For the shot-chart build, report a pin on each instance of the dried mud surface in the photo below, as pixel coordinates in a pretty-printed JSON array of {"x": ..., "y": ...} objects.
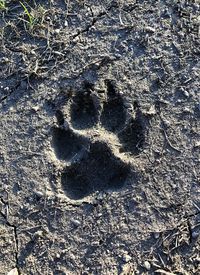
[{"x": 100, "y": 137}]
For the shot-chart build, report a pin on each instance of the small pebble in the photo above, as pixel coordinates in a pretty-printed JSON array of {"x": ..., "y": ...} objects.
[
  {"x": 76, "y": 222},
  {"x": 5, "y": 59},
  {"x": 39, "y": 194},
  {"x": 152, "y": 110},
  {"x": 150, "y": 29},
  {"x": 156, "y": 235},
  {"x": 147, "y": 265},
  {"x": 127, "y": 258},
  {"x": 57, "y": 31},
  {"x": 35, "y": 108},
  {"x": 187, "y": 110},
  {"x": 186, "y": 93},
  {"x": 39, "y": 234},
  {"x": 57, "y": 255},
  {"x": 197, "y": 144}
]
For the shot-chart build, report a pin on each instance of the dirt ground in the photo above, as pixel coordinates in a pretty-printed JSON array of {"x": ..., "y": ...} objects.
[{"x": 100, "y": 137}]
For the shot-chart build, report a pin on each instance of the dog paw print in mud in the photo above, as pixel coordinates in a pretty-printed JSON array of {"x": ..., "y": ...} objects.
[{"x": 97, "y": 139}]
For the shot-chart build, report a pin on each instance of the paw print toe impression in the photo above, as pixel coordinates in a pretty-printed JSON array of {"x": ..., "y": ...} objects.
[
  {"x": 113, "y": 115},
  {"x": 67, "y": 145},
  {"x": 132, "y": 137},
  {"x": 83, "y": 112}
]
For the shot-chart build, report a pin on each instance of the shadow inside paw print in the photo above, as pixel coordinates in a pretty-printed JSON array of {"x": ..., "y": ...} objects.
[
  {"x": 83, "y": 110},
  {"x": 98, "y": 170},
  {"x": 131, "y": 134},
  {"x": 132, "y": 137},
  {"x": 67, "y": 145},
  {"x": 113, "y": 115}
]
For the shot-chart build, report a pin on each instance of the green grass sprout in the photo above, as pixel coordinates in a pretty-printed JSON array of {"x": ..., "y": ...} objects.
[
  {"x": 31, "y": 19},
  {"x": 2, "y": 4}
]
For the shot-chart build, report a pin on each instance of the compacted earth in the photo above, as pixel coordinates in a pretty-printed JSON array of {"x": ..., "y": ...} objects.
[{"x": 100, "y": 137}]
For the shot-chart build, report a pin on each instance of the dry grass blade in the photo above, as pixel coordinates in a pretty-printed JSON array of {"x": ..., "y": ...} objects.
[{"x": 163, "y": 272}]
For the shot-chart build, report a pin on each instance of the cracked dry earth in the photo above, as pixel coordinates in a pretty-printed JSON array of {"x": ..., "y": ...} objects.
[{"x": 99, "y": 140}]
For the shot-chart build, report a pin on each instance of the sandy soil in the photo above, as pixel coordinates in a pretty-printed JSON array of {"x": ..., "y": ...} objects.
[{"x": 99, "y": 137}]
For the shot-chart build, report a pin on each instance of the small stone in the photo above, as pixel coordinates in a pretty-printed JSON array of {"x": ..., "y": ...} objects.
[
  {"x": 151, "y": 111},
  {"x": 186, "y": 94},
  {"x": 66, "y": 24},
  {"x": 39, "y": 234},
  {"x": 150, "y": 29},
  {"x": 156, "y": 235},
  {"x": 75, "y": 222},
  {"x": 187, "y": 110},
  {"x": 5, "y": 59},
  {"x": 39, "y": 194},
  {"x": 57, "y": 31},
  {"x": 127, "y": 258},
  {"x": 147, "y": 265},
  {"x": 35, "y": 108},
  {"x": 166, "y": 122},
  {"x": 197, "y": 144}
]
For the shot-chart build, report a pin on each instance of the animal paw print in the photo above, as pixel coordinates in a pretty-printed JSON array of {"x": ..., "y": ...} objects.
[{"x": 92, "y": 137}]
